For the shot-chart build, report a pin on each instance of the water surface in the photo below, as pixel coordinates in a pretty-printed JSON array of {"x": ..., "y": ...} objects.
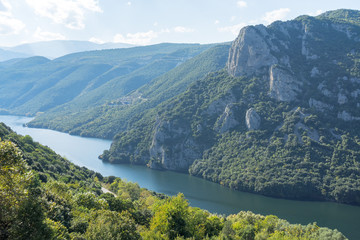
[{"x": 199, "y": 192}]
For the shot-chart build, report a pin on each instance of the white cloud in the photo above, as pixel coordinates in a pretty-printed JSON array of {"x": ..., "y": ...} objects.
[
  {"x": 241, "y": 4},
  {"x": 129, "y": 3},
  {"x": 316, "y": 13},
  {"x": 275, "y": 15},
  {"x": 234, "y": 29},
  {"x": 8, "y": 24},
  {"x": 145, "y": 38},
  {"x": 41, "y": 35},
  {"x": 96, "y": 40},
  {"x": 180, "y": 29},
  {"x": 140, "y": 38},
  {"x": 5, "y": 6},
  {"x": 165, "y": 30},
  {"x": 232, "y": 18},
  {"x": 216, "y": 22},
  {"x": 71, "y": 13}
]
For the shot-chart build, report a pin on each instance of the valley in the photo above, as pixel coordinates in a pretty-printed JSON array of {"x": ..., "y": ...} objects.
[
  {"x": 273, "y": 113},
  {"x": 212, "y": 197},
  {"x": 268, "y": 123}
]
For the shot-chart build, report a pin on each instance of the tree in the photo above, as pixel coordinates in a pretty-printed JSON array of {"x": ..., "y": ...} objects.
[
  {"x": 21, "y": 211},
  {"x": 171, "y": 218},
  {"x": 109, "y": 225}
]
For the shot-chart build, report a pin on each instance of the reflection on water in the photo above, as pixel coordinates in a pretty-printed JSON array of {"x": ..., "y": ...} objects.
[{"x": 201, "y": 193}]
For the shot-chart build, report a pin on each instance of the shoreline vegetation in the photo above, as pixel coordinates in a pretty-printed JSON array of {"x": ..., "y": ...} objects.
[{"x": 45, "y": 196}]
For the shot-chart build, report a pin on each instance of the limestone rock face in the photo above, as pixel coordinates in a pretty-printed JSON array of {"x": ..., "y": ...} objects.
[
  {"x": 227, "y": 120},
  {"x": 305, "y": 50},
  {"x": 217, "y": 106},
  {"x": 283, "y": 85},
  {"x": 172, "y": 148},
  {"x": 250, "y": 52},
  {"x": 252, "y": 119}
]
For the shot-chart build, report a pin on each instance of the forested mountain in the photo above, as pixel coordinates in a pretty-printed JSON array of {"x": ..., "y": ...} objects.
[
  {"x": 44, "y": 196},
  {"x": 82, "y": 117},
  {"x": 34, "y": 85},
  {"x": 58, "y": 48},
  {"x": 275, "y": 113},
  {"x": 282, "y": 119}
]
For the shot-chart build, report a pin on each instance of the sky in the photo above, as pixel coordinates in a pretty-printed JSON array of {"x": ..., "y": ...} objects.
[{"x": 145, "y": 22}]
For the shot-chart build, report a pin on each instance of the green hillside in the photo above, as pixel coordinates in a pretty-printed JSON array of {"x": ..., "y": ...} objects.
[
  {"x": 342, "y": 15},
  {"x": 83, "y": 117},
  {"x": 282, "y": 120},
  {"x": 44, "y": 196},
  {"x": 35, "y": 85}
]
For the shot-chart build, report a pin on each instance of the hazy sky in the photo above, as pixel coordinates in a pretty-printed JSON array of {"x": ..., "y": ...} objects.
[{"x": 146, "y": 22}]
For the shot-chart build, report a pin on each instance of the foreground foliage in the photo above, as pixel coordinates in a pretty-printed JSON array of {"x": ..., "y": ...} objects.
[{"x": 43, "y": 196}]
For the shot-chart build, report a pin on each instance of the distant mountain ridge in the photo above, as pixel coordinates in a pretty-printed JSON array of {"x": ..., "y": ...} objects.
[
  {"x": 57, "y": 48},
  {"x": 105, "y": 120},
  {"x": 7, "y": 55},
  {"x": 34, "y": 85}
]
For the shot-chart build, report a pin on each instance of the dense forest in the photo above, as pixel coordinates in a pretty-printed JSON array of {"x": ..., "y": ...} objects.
[
  {"x": 276, "y": 113},
  {"x": 281, "y": 122},
  {"x": 112, "y": 116},
  {"x": 44, "y": 196}
]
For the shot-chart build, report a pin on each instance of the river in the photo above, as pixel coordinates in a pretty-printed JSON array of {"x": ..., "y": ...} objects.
[{"x": 199, "y": 192}]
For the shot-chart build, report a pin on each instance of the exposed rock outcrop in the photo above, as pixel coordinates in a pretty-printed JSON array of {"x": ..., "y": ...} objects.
[
  {"x": 305, "y": 50},
  {"x": 250, "y": 53},
  {"x": 172, "y": 147},
  {"x": 217, "y": 106},
  {"x": 227, "y": 120},
  {"x": 252, "y": 119},
  {"x": 283, "y": 84}
]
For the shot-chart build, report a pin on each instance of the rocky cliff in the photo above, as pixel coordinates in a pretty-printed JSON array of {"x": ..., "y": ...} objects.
[
  {"x": 295, "y": 55},
  {"x": 282, "y": 119},
  {"x": 172, "y": 147}
]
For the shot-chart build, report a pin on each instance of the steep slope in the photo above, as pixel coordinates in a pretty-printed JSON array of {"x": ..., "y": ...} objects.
[
  {"x": 108, "y": 119},
  {"x": 35, "y": 85},
  {"x": 282, "y": 120},
  {"x": 56, "y": 199}
]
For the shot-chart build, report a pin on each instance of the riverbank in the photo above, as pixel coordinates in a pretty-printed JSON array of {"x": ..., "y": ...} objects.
[{"x": 201, "y": 193}]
